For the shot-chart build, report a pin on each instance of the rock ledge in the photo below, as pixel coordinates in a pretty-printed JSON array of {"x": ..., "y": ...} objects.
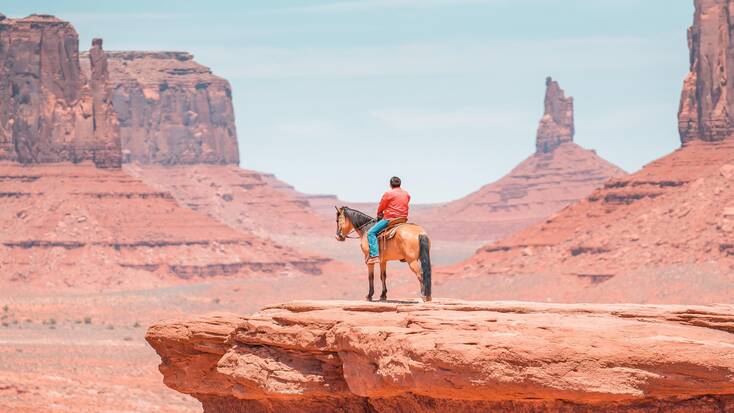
[{"x": 453, "y": 356}]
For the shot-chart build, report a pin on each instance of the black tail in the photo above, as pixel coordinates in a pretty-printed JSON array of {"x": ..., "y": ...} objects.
[{"x": 425, "y": 256}]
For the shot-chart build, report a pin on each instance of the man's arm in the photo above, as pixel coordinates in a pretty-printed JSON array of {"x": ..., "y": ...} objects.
[{"x": 383, "y": 204}]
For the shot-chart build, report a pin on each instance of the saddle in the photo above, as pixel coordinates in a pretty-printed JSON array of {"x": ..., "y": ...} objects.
[
  {"x": 392, "y": 228},
  {"x": 384, "y": 236}
]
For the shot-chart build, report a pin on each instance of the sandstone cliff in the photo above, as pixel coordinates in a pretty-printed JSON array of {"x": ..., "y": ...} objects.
[
  {"x": 49, "y": 110},
  {"x": 560, "y": 172},
  {"x": 171, "y": 109},
  {"x": 706, "y": 102},
  {"x": 453, "y": 356}
]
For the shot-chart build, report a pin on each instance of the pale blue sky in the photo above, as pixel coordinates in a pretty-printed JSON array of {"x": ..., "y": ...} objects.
[{"x": 337, "y": 96}]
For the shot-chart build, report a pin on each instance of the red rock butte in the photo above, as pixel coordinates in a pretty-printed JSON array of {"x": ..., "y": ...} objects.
[
  {"x": 178, "y": 134},
  {"x": 559, "y": 173},
  {"x": 665, "y": 233},
  {"x": 172, "y": 110},
  {"x": 49, "y": 110},
  {"x": 453, "y": 356}
]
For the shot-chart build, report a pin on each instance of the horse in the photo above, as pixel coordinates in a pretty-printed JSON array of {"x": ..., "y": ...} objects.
[{"x": 410, "y": 244}]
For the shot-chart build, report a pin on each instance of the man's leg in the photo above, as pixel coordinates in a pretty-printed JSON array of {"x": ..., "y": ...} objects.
[{"x": 372, "y": 236}]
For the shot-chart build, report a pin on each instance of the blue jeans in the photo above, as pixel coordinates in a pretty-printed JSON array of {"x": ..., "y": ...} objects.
[{"x": 372, "y": 236}]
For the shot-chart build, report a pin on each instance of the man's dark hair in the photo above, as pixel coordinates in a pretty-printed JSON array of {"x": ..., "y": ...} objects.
[{"x": 395, "y": 182}]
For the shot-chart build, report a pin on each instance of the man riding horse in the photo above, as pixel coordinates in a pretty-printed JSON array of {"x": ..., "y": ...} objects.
[
  {"x": 404, "y": 242},
  {"x": 393, "y": 207}
]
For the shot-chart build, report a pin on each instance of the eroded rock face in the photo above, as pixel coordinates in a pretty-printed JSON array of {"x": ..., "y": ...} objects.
[
  {"x": 50, "y": 111},
  {"x": 453, "y": 356},
  {"x": 706, "y": 103},
  {"x": 556, "y": 126},
  {"x": 171, "y": 109}
]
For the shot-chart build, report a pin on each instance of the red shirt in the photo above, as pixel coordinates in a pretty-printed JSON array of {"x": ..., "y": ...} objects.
[{"x": 394, "y": 204}]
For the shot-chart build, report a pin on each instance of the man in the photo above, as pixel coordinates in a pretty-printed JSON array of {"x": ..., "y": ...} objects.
[{"x": 393, "y": 205}]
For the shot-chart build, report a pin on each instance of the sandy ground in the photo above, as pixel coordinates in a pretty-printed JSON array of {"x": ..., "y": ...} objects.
[{"x": 87, "y": 353}]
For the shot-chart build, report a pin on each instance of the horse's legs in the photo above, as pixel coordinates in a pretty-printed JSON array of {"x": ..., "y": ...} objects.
[
  {"x": 415, "y": 266},
  {"x": 383, "y": 278},
  {"x": 371, "y": 271}
]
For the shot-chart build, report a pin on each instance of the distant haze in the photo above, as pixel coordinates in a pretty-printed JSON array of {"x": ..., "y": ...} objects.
[{"x": 336, "y": 97}]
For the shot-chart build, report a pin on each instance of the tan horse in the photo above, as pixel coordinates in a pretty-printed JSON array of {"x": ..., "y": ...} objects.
[{"x": 410, "y": 244}]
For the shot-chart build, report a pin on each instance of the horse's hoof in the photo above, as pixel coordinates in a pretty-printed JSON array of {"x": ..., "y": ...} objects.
[
  {"x": 383, "y": 298},
  {"x": 427, "y": 299},
  {"x": 369, "y": 298}
]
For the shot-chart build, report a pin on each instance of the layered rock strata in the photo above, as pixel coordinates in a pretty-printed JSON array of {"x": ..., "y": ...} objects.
[
  {"x": 171, "y": 109},
  {"x": 676, "y": 211},
  {"x": 79, "y": 227},
  {"x": 240, "y": 198},
  {"x": 559, "y": 173},
  {"x": 453, "y": 356},
  {"x": 49, "y": 110}
]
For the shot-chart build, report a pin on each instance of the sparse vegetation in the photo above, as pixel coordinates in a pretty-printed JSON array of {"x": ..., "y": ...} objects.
[
  {"x": 6, "y": 308},
  {"x": 110, "y": 327},
  {"x": 136, "y": 325},
  {"x": 216, "y": 300},
  {"x": 128, "y": 339},
  {"x": 50, "y": 322},
  {"x": 87, "y": 320}
]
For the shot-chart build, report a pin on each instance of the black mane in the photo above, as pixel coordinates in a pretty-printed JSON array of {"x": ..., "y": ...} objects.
[{"x": 360, "y": 220}]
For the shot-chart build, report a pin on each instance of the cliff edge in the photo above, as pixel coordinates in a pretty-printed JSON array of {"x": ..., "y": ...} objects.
[{"x": 455, "y": 356}]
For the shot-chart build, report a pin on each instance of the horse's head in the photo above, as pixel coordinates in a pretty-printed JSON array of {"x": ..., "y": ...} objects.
[{"x": 343, "y": 225}]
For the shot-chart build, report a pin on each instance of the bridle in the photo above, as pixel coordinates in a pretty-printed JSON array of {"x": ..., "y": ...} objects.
[{"x": 349, "y": 234}]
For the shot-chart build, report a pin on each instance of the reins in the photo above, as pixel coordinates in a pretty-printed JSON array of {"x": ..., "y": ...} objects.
[{"x": 358, "y": 230}]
